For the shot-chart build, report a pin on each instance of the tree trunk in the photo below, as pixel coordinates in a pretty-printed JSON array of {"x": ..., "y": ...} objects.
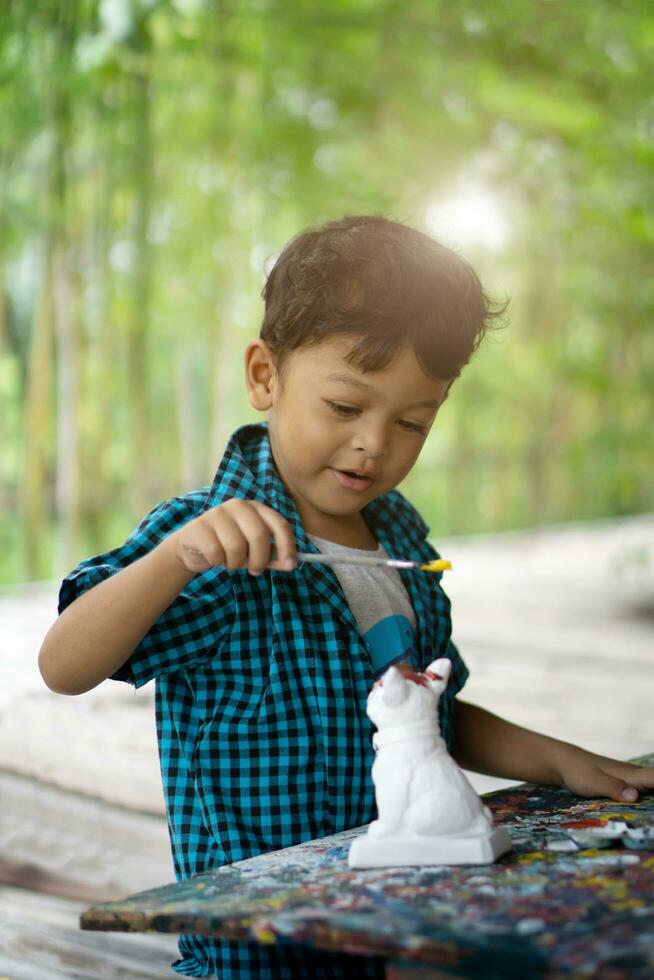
[
  {"x": 224, "y": 147},
  {"x": 4, "y": 312},
  {"x": 38, "y": 427},
  {"x": 67, "y": 493},
  {"x": 64, "y": 29},
  {"x": 185, "y": 413},
  {"x": 137, "y": 343},
  {"x": 105, "y": 360}
]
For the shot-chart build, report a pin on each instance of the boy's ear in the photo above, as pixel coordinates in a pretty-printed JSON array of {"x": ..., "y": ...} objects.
[{"x": 260, "y": 374}]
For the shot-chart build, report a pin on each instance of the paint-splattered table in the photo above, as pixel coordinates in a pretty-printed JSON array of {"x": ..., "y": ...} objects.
[{"x": 542, "y": 910}]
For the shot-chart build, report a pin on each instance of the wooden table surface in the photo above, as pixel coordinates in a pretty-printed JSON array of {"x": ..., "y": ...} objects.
[{"x": 538, "y": 911}]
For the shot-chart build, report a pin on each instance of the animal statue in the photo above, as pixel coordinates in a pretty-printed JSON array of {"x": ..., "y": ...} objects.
[
  {"x": 420, "y": 789},
  {"x": 428, "y": 811}
]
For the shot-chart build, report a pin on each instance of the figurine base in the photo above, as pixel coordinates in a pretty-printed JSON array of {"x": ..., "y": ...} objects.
[{"x": 395, "y": 852}]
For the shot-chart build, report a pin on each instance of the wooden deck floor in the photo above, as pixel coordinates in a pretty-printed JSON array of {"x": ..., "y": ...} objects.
[
  {"x": 40, "y": 939},
  {"x": 557, "y": 627}
]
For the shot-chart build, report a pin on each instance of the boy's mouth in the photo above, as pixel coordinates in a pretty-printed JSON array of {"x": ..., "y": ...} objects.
[{"x": 352, "y": 479}]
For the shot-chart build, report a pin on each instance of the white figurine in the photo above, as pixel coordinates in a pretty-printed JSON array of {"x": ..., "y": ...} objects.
[{"x": 428, "y": 811}]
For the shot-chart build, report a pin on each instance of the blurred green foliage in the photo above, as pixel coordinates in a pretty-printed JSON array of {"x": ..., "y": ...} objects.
[{"x": 156, "y": 154}]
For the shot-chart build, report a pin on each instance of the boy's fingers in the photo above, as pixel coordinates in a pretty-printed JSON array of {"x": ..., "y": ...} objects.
[
  {"x": 231, "y": 538},
  {"x": 258, "y": 538},
  {"x": 635, "y": 775},
  {"x": 205, "y": 547},
  {"x": 625, "y": 776},
  {"x": 240, "y": 533},
  {"x": 617, "y": 789},
  {"x": 286, "y": 558}
]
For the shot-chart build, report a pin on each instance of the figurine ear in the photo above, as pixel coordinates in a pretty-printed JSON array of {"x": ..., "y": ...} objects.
[
  {"x": 442, "y": 668},
  {"x": 394, "y": 687}
]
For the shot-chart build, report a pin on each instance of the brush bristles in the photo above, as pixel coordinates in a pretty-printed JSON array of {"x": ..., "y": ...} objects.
[{"x": 438, "y": 565}]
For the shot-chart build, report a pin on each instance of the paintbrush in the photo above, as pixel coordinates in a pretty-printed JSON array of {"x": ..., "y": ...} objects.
[{"x": 438, "y": 565}]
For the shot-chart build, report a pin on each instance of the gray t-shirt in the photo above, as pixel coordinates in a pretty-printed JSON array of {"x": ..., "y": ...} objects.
[{"x": 379, "y": 603}]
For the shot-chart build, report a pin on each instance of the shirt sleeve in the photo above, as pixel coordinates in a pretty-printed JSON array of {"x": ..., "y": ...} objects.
[{"x": 191, "y": 629}]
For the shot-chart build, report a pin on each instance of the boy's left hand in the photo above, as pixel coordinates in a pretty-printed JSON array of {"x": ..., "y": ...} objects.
[{"x": 588, "y": 774}]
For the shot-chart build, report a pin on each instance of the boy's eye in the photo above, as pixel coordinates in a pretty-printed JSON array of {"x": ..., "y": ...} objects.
[
  {"x": 345, "y": 411},
  {"x": 351, "y": 411},
  {"x": 413, "y": 426}
]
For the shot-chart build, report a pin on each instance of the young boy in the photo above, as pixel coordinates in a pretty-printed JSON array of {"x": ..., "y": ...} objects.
[{"x": 263, "y": 665}]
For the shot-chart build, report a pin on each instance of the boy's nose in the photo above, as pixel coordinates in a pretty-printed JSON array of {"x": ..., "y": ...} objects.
[{"x": 372, "y": 441}]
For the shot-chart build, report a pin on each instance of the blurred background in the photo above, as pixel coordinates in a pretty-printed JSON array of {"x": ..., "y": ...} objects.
[{"x": 155, "y": 156}]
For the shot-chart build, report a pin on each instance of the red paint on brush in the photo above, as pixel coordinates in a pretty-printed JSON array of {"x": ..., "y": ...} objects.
[{"x": 580, "y": 824}]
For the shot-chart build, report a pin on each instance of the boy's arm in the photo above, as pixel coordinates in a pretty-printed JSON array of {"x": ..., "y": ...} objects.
[
  {"x": 96, "y": 634},
  {"x": 484, "y": 742}
]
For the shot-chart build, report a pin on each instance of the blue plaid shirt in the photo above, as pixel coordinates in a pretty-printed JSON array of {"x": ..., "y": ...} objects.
[{"x": 261, "y": 688}]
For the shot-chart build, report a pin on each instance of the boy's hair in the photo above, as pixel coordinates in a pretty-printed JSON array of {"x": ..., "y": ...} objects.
[{"x": 388, "y": 283}]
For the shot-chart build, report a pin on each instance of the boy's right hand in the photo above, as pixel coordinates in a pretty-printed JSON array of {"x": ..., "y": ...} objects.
[{"x": 236, "y": 534}]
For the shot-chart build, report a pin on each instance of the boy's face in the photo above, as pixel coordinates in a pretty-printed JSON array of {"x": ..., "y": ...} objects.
[{"x": 341, "y": 437}]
